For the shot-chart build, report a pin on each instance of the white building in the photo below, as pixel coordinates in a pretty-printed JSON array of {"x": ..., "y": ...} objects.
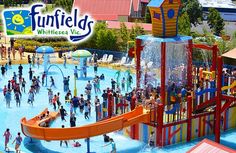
[{"x": 226, "y": 8}]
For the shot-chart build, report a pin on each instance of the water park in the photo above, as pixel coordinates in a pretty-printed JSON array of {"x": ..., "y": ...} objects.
[{"x": 152, "y": 100}]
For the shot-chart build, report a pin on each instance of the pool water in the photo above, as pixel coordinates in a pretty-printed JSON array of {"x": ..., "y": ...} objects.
[{"x": 10, "y": 118}]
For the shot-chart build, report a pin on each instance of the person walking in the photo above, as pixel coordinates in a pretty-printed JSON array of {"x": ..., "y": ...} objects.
[
  {"x": 63, "y": 126},
  {"x": 63, "y": 113},
  {"x": 86, "y": 111},
  {"x": 18, "y": 141},
  {"x": 72, "y": 120},
  {"x": 8, "y": 98},
  {"x": 7, "y": 136},
  {"x": 65, "y": 59}
]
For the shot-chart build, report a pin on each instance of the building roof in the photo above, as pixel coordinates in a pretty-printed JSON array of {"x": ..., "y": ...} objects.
[
  {"x": 107, "y": 9},
  {"x": 155, "y": 3},
  {"x": 136, "y": 4},
  {"x": 158, "y": 3},
  {"x": 217, "y": 3},
  {"x": 210, "y": 146},
  {"x": 230, "y": 54},
  {"x": 129, "y": 25},
  {"x": 144, "y": 1}
]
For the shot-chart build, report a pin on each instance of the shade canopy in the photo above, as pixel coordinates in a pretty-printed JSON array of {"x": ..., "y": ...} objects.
[
  {"x": 45, "y": 50},
  {"x": 230, "y": 54},
  {"x": 81, "y": 54}
]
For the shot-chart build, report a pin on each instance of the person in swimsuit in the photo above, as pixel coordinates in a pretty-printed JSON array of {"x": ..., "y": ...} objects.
[
  {"x": 113, "y": 145},
  {"x": 7, "y": 136},
  {"x": 18, "y": 141}
]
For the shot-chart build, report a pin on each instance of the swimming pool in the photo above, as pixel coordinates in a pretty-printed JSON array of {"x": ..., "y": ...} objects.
[{"x": 10, "y": 118}]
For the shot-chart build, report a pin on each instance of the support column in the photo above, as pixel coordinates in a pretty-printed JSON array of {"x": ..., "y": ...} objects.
[
  {"x": 110, "y": 105},
  {"x": 189, "y": 115},
  {"x": 138, "y": 59},
  {"x": 218, "y": 101},
  {"x": 190, "y": 64},
  {"x": 159, "y": 134},
  {"x": 163, "y": 72},
  {"x": 214, "y": 57}
]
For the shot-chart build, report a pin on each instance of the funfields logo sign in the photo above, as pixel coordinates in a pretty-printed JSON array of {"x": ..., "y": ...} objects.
[{"x": 32, "y": 22}]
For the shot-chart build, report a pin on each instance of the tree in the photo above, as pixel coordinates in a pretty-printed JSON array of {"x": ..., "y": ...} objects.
[
  {"x": 124, "y": 35},
  {"x": 194, "y": 11},
  {"x": 136, "y": 30},
  {"x": 66, "y": 4},
  {"x": 215, "y": 22},
  {"x": 184, "y": 25},
  {"x": 148, "y": 16},
  {"x": 106, "y": 40}
]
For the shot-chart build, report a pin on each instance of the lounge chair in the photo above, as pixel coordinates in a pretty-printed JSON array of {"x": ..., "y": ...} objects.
[
  {"x": 121, "y": 62},
  {"x": 103, "y": 59},
  {"x": 109, "y": 59},
  {"x": 131, "y": 64}
]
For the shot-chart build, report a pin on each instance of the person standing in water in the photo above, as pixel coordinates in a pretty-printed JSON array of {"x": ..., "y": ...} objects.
[
  {"x": 18, "y": 141},
  {"x": 76, "y": 72},
  {"x": 63, "y": 126},
  {"x": 151, "y": 139},
  {"x": 8, "y": 98},
  {"x": 113, "y": 146},
  {"x": 7, "y": 136},
  {"x": 65, "y": 59},
  {"x": 63, "y": 113}
]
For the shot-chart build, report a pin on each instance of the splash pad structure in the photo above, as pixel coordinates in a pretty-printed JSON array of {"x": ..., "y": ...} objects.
[{"x": 179, "y": 118}]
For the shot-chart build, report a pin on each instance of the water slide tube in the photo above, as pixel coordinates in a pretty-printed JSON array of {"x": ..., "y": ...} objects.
[{"x": 32, "y": 129}]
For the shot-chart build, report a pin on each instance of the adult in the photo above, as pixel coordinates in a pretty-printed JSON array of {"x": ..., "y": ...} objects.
[
  {"x": 3, "y": 70},
  {"x": 76, "y": 72},
  {"x": 30, "y": 74},
  {"x": 113, "y": 84},
  {"x": 20, "y": 69},
  {"x": 72, "y": 120},
  {"x": 63, "y": 126},
  {"x": 75, "y": 102},
  {"x": 63, "y": 113},
  {"x": 8, "y": 98},
  {"x": 29, "y": 60}
]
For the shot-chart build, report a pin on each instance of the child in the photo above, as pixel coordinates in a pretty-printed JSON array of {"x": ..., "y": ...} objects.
[
  {"x": 123, "y": 84},
  {"x": 86, "y": 111},
  {"x": 54, "y": 102},
  {"x": 18, "y": 141},
  {"x": 50, "y": 96},
  {"x": 52, "y": 82},
  {"x": 151, "y": 139},
  {"x": 7, "y": 136},
  {"x": 43, "y": 77},
  {"x": 76, "y": 144},
  {"x": 113, "y": 145}
]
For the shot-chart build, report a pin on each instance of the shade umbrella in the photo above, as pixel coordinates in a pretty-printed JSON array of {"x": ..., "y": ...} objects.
[
  {"x": 81, "y": 54},
  {"x": 45, "y": 50}
]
